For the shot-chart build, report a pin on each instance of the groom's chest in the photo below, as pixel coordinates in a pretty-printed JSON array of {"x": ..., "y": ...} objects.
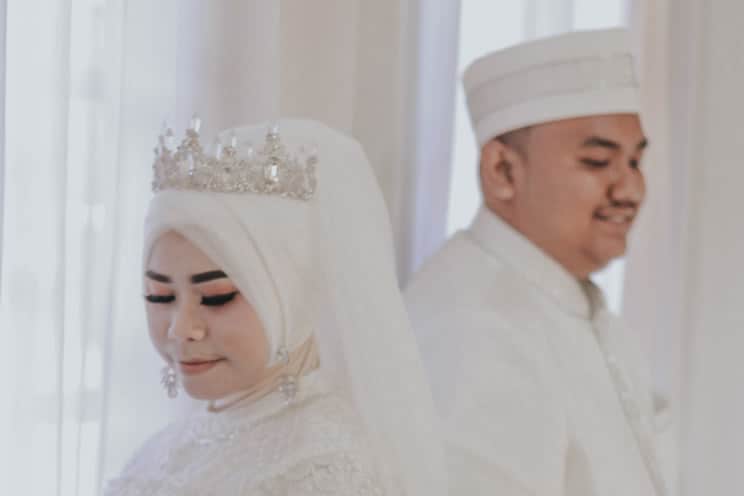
[{"x": 602, "y": 444}]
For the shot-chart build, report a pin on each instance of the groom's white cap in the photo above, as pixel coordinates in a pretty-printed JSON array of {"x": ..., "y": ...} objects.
[{"x": 571, "y": 75}]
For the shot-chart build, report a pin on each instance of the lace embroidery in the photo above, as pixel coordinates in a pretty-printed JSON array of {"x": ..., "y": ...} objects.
[
  {"x": 221, "y": 454},
  {"x": 332, "y": 475}
]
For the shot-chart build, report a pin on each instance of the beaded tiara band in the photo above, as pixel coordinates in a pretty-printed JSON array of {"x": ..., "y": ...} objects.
[{"x": 270, "y": 170}]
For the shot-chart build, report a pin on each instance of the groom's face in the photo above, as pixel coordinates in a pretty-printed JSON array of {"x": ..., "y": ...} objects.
[{"x": 578, "y": 187}]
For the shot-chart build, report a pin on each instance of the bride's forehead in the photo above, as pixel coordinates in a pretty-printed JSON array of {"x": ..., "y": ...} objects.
[
  {"x": 174, "y": 241},
  {"x": 173, "y": 251}
]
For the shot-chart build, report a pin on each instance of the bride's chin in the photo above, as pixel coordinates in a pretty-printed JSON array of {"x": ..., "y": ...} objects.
[{"x": 202, "y": 391}]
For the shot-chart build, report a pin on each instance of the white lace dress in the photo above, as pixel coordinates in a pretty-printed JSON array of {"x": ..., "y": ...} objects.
[{"x": 316, "y": 446}]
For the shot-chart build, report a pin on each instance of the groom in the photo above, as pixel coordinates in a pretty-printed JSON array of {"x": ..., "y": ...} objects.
[{"x": 540, "y": 390}]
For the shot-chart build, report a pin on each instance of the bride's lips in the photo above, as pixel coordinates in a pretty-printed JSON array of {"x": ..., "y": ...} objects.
[{"x": 193, "y": 367}]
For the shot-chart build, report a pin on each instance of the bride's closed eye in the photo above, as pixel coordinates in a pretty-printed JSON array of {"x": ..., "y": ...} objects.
[
  {"x": 208, "y": 301},
  {"x": 218, "y": 300},
  {"x": 155, "y": 298}
]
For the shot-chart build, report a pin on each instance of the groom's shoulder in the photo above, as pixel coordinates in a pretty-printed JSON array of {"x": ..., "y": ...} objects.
[
  {"x": 459, "y": 264},
  {"x": 462, "y": 275},
  {"x": 465, "y": 286}
]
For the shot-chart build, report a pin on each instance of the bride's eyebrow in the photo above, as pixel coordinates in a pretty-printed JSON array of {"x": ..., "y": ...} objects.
[
  {"x": 151, "y": 274},
  {"x": 208, "y": 276}
]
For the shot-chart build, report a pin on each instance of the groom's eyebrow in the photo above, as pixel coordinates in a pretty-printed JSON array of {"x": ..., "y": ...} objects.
[{"x": 208, "y": 276}]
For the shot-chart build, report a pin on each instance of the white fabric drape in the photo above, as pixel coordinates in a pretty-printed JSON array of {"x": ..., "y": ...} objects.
[
  {"x": 684, "y": 289},
  {"x": 347, "y": 63},
  {"x": 653, "y": 279},
  {"x": 3, "y": 12},
  {"x": 88, "y": 86}
]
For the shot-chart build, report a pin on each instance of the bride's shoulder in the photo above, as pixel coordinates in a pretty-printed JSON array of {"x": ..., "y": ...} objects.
[
  {"x": 149, "y": 455},
  {"x": 319, "y": 425},
  {"x": 328, "y": 449}
]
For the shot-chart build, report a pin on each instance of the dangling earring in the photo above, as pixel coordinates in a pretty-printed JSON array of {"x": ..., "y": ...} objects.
[
  {"x": 288, "y": 385},
  {"x": 169, "y": 381}
]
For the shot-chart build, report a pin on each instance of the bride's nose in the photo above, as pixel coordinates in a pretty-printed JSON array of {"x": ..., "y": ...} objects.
[{"x": 185, "y": 323}]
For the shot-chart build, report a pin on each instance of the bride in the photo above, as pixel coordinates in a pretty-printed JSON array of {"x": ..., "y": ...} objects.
[{"x": 271, "y": 294}]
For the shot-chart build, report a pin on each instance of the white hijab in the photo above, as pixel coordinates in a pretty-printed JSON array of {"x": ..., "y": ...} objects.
[{"x": 325, "y": 268}]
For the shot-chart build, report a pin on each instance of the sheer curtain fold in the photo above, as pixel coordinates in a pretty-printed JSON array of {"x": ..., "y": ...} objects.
[
  {"x": 654, "y": 275},
  {"x": 433, "y": 79},
  {"x": 348, "y": 63},
  {"x": 3, "y": 30},
  {"x": 683, "y": 285},
  {"x": 35, "y": 244}
]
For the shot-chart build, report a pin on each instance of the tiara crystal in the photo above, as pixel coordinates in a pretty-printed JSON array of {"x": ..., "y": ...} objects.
[{"x": 272, "y": 170}]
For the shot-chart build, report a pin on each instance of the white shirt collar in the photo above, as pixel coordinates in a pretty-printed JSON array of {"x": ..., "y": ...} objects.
[{"x": 503, "y": 241}]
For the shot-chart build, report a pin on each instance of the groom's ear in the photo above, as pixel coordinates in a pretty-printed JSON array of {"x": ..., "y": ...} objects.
[{"x": 497, "y": 165}]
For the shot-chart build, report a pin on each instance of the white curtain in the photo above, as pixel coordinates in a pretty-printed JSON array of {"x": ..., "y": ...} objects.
[
  {"x": 684, "y": 284},
  {"x": 88, "y": 85},
  {"x": 348, "y": 63},
  {"x": 432, "y": 47}
]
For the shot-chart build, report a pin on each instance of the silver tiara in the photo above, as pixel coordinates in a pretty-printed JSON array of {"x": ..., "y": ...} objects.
[{"x": 270, "y": 170}]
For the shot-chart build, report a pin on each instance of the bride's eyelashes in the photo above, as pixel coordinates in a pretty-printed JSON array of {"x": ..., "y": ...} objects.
[
  {"x": 152, "y": 298},
  {"x": 208, "y": 301},
  {"x": 218, "y": 300}
]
